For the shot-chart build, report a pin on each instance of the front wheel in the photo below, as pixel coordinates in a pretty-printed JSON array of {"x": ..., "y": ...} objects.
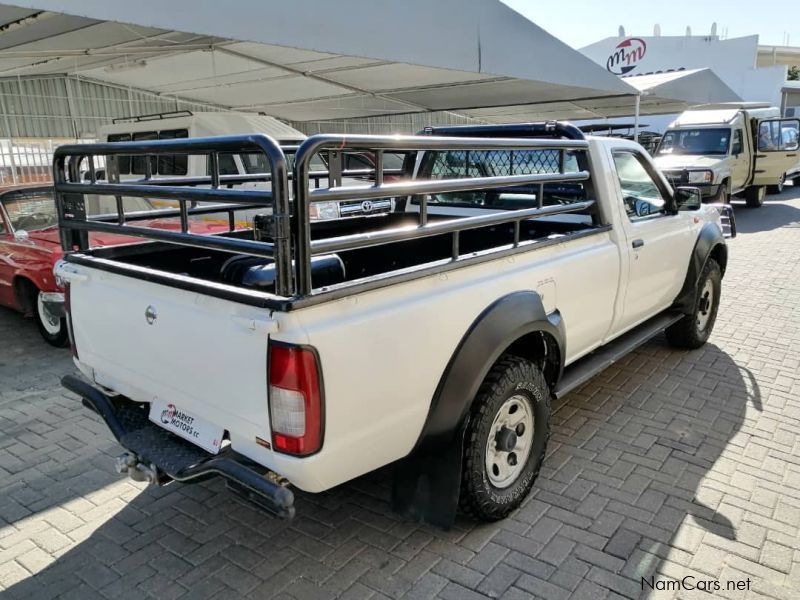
[
  {"x": 754, "y": 195},
  {"x": 506, "y": 439},
  {"x": 693, "y": 330},
  {"x": 723, "y": 195},
  {"x": 52, "y": 328}
]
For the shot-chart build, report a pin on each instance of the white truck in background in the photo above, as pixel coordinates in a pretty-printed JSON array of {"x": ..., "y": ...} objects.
[
  {"x": 518, "y": 261},
  {"x": 731, "y": 149}
]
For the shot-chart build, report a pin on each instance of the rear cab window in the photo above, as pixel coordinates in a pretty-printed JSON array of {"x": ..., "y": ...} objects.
[{"x": 490, "y": 163}]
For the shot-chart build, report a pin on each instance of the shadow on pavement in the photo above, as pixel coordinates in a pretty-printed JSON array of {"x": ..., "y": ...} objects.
[
  {"x": 774, "y": 214},
  {"x": 627, "y": 464}
]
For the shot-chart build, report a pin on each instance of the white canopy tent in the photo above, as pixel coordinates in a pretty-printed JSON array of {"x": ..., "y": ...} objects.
[
  {"x": 659, "y": 93},
  {"x": 305, "y": 60}
]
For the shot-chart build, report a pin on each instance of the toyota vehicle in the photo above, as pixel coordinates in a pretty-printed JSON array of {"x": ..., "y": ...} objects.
[{"x": 731, "y": 149}]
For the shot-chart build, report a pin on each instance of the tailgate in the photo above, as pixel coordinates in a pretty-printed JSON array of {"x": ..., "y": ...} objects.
[{"x": 154, "y": 343}]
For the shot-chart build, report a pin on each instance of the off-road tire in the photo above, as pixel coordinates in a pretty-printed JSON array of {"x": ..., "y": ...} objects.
[
  {"x": 686, "y": 333},
  {"x": 754, "y": 196},
  {"x": 510, "y": 376},
  {"x": 58, "y": 338}
]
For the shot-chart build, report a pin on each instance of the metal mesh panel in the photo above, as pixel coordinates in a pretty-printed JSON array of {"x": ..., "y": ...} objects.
[{"x": 494, "y": 162}]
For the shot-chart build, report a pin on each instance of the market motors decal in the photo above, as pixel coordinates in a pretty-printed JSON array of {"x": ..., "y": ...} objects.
[
  {"x": 180, "y": 420},
  {"x": 626, "y": 55}
]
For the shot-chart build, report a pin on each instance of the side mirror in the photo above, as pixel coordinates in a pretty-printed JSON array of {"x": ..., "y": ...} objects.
[{"x": 688, "y": 198}]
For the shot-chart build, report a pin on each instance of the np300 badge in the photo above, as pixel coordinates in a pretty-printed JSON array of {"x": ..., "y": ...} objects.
[{"x": 150, "y": 314}]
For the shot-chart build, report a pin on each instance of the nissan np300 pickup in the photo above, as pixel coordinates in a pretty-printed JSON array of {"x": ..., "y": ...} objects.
[{"x": 518, "y": 261}]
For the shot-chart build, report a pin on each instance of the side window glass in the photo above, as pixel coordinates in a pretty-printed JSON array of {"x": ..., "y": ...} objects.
[
  {"x": 737, "y": 142},
  {"x": 2, "y": 225},
  {"x": 227, "y": 164},
  {"x": 124, "y": 161},
  {"x": 139, "y": 165},
  {"x": 790, "y": 128},
  {"x": 640, "y": 193},
  {"x": 778, "y": 135},
  {"x": 173, "y": 164}
]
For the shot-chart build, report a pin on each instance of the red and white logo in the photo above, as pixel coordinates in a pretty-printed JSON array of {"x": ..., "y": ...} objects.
[
  {"x": 168, "y": 413},
  {"x": 626, "y": 55}
]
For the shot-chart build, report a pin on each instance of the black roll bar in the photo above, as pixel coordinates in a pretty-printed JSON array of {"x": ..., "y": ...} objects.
[
  {"x": 66, "y": 178},
  {"x": 290, "y": 243},
  {"x": 303, "y": 197}
]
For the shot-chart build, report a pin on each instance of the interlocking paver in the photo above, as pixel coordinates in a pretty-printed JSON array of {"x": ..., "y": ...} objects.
[{"x": 667, "y": 464}]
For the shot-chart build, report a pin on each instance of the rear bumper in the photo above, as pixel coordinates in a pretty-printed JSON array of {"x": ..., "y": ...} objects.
[{"x": 168, "y": 457}]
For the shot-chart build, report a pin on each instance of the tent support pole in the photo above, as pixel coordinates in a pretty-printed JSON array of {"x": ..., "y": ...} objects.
[{"x": 636, "y": 118}]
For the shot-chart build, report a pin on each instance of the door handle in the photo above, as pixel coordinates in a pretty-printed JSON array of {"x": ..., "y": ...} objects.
[{"x": 637, "y": 243}]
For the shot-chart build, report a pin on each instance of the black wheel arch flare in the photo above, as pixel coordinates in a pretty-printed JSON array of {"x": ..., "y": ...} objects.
[
  {"x": 427, "y": 482},
  {"x": 710, "y": 243},
  {"x": 496, "y": 329}
]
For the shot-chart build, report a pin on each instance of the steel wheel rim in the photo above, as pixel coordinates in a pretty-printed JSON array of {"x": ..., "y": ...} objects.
[
  {"x": 705, "y": 305},
  {"x": 51, "y": 324},
  {"x": 503, "y": 466}
]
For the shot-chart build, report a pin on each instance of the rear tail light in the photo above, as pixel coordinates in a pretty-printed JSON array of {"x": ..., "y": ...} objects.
[
  {"x": 295, "y": 399},
  {"x": 68, "y": 310}
]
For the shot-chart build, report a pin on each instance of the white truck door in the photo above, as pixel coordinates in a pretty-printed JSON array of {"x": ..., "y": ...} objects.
[
  {"x": 777, "y": 149},
  {"x": 658, "y": 243}
]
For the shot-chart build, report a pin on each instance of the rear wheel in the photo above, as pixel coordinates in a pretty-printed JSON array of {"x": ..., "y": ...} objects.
[
  {"x": 506, "y": 439},
  {"x": 693, "y": 330},
  {"x": 52, "y": 328},
  {"x": 777, "y": 188},
  {"x": 754, "y": 195}
]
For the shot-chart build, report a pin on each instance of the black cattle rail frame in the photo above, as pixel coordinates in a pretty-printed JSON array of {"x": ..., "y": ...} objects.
[{"x": 288, "y": 225}]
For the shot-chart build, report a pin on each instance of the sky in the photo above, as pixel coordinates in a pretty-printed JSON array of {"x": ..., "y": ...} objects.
[{"x": 582, "y": 22}]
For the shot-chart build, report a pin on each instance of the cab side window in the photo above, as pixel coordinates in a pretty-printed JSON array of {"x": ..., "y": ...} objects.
[
  {"x": 737, "y": 142},
  {"x": 2, "y": 223},
  {"x": 642, "y": 197},
  {"x": 778, "y": 135}
]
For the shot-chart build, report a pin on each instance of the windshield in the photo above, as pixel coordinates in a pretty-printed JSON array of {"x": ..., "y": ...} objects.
[
  {"x": 36, "y": 210},
  {"x": 695, "y": 141}
]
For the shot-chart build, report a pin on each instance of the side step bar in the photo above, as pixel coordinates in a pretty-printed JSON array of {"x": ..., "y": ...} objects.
[
  {"x": 590, "y": 365},
  {"x": 157, "y": 456}
]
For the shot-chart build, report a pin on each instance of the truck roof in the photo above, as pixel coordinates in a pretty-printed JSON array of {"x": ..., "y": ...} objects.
[
  {"x": 203, "y": 124},
  {"x": 724, "y": 113}
]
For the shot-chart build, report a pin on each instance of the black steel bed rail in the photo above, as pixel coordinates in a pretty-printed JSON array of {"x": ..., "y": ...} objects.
[
  {"x": 288, "y": 241},
  {"x": 454, "y": 226},
  {"x": 377, "y": 144},
  {"x": 70, "y": 193}
]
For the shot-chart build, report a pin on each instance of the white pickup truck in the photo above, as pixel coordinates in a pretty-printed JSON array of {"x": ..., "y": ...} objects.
[{"x": 518, "y": 261}]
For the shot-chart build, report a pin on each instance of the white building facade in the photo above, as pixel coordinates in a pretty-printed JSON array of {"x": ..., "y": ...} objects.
[{"x": 735, "y": 61}]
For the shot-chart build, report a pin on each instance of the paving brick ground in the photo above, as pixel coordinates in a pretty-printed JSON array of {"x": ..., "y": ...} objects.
[{"x": 666, "y": 465}]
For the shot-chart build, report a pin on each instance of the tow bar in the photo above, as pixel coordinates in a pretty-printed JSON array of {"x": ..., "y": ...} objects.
[{"x": 157, "y": 456}]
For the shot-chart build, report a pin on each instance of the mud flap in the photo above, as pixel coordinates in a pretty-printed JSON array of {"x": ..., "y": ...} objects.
[{"x": 427, "y": 483}]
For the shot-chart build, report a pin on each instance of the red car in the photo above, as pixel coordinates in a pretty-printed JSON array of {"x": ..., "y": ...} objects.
[{"x": 30, "y": 247}]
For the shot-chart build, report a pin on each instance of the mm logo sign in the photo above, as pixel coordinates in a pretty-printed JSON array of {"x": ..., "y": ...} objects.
[{"x": 626, "y": 55}]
